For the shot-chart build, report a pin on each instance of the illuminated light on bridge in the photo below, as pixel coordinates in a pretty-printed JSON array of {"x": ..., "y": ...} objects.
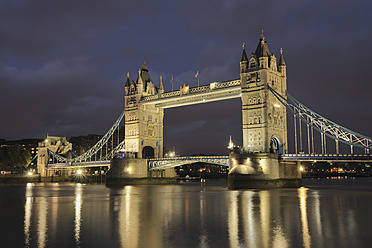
[{"x": 231, "y": 144}]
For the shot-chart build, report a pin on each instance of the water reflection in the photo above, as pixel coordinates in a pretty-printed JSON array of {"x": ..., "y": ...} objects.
[
  {"x": 78, "y": 207},
  {"x": 302, "y": 195},
  {"x": 279, "y": 239},
  {"x": 128, "y": 219},
  {"x": 233, "y": 219},
  {"x": 182, "y": 216},
  {"x": 203, "y": 239},
  {"x": 39, "y": 205},
  {"x": 28, "y": 212},
  {"x": 42, "y": 222},
  {"x": 265, "y": 217},
  {"x": 248, "y": 219}
]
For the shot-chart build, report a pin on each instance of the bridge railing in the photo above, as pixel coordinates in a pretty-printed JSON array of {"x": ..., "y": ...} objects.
[
  {"x": 176, "y": 161},
  {"x": 328, "y": 157},
  {"x": 195, "y": 90}
]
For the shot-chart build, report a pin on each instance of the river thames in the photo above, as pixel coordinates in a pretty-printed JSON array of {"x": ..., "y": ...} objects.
[{"x": 323, "y": 213}]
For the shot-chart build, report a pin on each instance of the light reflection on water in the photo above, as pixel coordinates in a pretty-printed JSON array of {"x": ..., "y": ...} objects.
[
  {"x": 78, "y": 206},
  {"x": 78, "y": 215},
  {"x": 302, "y": 194},
  {"x": 28, "y": 210}
]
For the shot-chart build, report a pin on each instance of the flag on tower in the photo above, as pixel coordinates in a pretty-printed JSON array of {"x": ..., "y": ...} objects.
[
  {"x": 171, "y": 80},
  {"x": 197, "y": 73}
]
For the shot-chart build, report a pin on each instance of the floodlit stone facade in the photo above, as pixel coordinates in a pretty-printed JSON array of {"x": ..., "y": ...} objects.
[
  {"x": 264, "y": 117},
  {"x": 143, "y": 123}
]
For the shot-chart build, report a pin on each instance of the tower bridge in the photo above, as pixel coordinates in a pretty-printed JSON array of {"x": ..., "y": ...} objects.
[{"x": 263, "y": 156}]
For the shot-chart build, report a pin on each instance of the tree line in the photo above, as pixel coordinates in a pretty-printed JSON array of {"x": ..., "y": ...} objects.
[{"x": 14, "y": 158}]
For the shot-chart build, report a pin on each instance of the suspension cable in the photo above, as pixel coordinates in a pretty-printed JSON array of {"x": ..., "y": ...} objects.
[
  {"x": 295, "y": 130},
  {"x": 323, "y": 125}
]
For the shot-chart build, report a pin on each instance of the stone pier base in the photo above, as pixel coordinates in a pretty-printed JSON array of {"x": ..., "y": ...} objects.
[
  {"x": 262, "y": 171},
  {"x": 131, "y": 171}
]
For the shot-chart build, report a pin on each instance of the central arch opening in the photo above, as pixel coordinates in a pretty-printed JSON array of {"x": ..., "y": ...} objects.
[
  {"x": 148, "y": 152},
  {"x": 203, "y": 128}
]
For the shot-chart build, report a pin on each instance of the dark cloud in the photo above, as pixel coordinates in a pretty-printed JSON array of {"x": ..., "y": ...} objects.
[{"x": 62, "y": 63}]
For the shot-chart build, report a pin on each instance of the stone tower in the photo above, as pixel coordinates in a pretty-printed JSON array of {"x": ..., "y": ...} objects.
[
  {"x": 143, "y": 123},
  {"x": 58, "y": 145},
  {"x": 264, "y": 118}
]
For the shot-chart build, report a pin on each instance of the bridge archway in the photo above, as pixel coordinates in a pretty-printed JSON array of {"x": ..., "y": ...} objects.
[
  {"x": 275, "y": 146},
  {"x": 148, "y": 152}
]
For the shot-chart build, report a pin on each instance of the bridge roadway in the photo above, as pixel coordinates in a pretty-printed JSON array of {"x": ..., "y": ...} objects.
[
  {"x": 164, "y": 163},
  {"x": 328, "y": 157},
  {"x": 208, "y": 93},
  {"x": 86, "y": 164}
]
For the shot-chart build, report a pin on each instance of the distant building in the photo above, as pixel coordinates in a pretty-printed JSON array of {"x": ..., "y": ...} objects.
[{"x": 29, "y": 144}]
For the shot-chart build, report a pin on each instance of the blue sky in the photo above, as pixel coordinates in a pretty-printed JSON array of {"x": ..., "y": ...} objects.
[{"x": 63, "y": 63}]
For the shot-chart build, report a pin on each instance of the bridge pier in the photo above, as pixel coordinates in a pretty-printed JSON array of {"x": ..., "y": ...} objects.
[
  {"x": 262, "y": 170},
  {"x": 129, "y": 171}
]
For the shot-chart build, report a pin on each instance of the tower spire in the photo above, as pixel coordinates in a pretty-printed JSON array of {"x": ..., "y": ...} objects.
[
  {"x": 262, "y": 49},
  {"x": 128, "y": 81},
  {"x": 281, "y": 58},
  {"x": 161, "y": 88},
  {"x": 244, "y": 55}
]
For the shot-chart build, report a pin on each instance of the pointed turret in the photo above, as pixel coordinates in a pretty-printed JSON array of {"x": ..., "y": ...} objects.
[
  {"x": 127, "y": 85},
  {"x": 262, "y": 49},
  {"x": 282, "y": 66},
  {"x": 262, "y": 53},
  {"x": 244, "y": 54},
  {"x": 281, "y": 59},
  {"x": 244, "y": 61},
  {"x": 161, "y": 88}
]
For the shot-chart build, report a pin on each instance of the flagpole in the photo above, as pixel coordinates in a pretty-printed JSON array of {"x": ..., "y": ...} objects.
[
  {"x": 197, "y": 76},
  {"x": 172, "y": 82}
]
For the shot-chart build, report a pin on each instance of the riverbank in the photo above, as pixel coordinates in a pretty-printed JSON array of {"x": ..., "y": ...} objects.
[{"x": 9, "y": 179}]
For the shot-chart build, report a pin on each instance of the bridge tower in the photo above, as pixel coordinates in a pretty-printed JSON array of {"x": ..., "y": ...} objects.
[
  {"x": 58, "y": 145},
  {"x": 143, "y": 123},
  {"x": 264, "y": 118},
  {"x": 264, "y": 125}
]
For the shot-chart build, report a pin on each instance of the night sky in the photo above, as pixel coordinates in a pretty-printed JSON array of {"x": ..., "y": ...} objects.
[{"x": 63, "y": 64}]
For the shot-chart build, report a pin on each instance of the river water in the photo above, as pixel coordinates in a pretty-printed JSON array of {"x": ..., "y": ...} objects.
[{"x": 323, "y": 213}]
